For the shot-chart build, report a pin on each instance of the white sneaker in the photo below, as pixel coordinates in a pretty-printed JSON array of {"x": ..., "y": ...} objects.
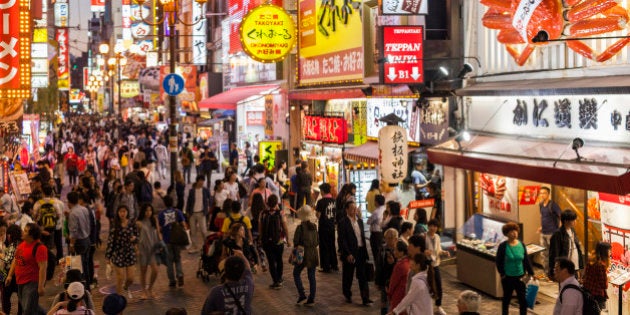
[
  {"x": 439, "y": 310},
  {"x": 129, "y": 296}
]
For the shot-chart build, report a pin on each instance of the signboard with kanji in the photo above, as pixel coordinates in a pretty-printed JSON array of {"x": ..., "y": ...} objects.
[
  {"x": 325, "y": 129},
  {"x": 392, "y": 156},
  {"x": 15, "y": 49},
  {"x": 268, "y": 33},
  {"x": 402, "y": 50}
]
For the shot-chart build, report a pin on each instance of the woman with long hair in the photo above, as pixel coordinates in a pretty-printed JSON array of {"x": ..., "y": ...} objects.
[
  {"x": 122, "y": 245},
  {"x": 13, "y": 238},
  {"x": 220, "y": 195},
  {"x": 369, "y": 196},
  {"x": 346, "y": 194},
  {"x": 595, "y": 278},
  {"x": 71, "y": 161},
  {"x": 237, "y": 241},
  {"x": 418, "y": 301},
  {"x": 149, "y": 240}
]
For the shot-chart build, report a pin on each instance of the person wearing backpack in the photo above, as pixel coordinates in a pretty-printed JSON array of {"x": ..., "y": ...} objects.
[
  {"x": 570, "y": 300},
  {"x": 272, "y": 231},
  {"x": 48, "y": 213},
  {"x": 30, "y": 273},
  {"x": 236, "y": 217}
]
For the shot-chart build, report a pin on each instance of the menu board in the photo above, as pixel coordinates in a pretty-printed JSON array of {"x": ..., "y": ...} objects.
[{"x": 20, "y": 183}]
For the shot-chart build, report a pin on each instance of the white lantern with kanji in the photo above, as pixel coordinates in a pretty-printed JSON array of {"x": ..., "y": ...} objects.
[{"x": 392, "y": 155}]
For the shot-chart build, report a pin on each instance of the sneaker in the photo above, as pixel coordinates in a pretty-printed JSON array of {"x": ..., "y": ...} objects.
[
  {"x": 180, "y": 281},
  {"x": 309, "y": 303},
  {"x": 273, "y": 285},
  {"x": 368, "y": 302},
  {"x": 276, "y": 286},
  {"x": 439, "y": 311},
  {"x": 300, "y": 300}
]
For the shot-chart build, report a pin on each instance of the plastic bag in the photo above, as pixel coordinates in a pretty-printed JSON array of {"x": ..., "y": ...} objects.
[
  {"x": 532, "y": 292},
  {"x": 108, "y": 271}
]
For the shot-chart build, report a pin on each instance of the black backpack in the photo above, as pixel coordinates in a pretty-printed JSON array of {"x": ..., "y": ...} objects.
[
  {"x": 47, "y": 216},
  {"x": 52, "y": 261},
  {"x": 240, "y": 220},
  {"x": 589, "y": 305},
  {"x": 271, "y": 228}
]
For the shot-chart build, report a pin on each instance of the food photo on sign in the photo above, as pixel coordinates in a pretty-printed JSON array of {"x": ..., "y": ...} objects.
[{"x": 500, "y": 195}]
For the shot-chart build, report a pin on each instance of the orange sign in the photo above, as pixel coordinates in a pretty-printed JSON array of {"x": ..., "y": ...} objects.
[
  {"x": 267, "y": 33},
  {"x": 15, "y": 50}
]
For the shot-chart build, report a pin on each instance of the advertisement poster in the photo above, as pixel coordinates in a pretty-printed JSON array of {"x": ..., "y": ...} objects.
[
  {"x": 616, "y": 230},
  {"x": 500, "y": 196},
  {"x": 381, "y": 107},
  {"x": 329, "y": 49},
  {"x": 434, "y": 122},
  {"x": 528, "y": 195},
  {"x": 402, "y": 46}
]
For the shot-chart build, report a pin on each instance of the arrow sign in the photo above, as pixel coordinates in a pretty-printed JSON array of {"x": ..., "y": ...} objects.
[
  {"x": 414, "y": 73},
  {"x": 392, "y": 74},
  {"x": 268, "y": 149}
]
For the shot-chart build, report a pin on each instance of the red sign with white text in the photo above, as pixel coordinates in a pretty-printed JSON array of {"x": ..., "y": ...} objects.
[
  {"x": 402, "y": 49},
  {"x": 325, "y": 129},
  {"x": 63, "y": 72},
  {"x": 10, "y": 40}
]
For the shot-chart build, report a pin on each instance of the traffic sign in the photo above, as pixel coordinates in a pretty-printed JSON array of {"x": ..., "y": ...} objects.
[
  {"x": 173, "y": 84},
  {"x": 403, "y": 52}
]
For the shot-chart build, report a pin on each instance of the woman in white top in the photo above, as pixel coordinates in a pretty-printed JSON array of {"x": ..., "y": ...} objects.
[
  {"x": 418, "y": 300},
  {"x": 231, "y": 186},
  {"x": 220, "y": 194}
]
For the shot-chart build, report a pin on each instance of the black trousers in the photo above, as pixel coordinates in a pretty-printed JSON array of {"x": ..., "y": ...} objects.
[
  {"x": 58, "y": 243},
  {"x": 7, "y": 291},
  {"x": 510, "y": 284},
  {"x": 274, "y": 256},
  {"x": 348, "y": 273},
  {"x": 327, "y": 250},
  {"x": 302, "y": 196},
  {"x": 376, "y": 243},
  {"x": 438, "y": 285}
]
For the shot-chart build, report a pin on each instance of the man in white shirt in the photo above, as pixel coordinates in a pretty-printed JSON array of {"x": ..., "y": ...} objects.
[
  {"x": 162, "y": 157},
  {"x": 570, "y": 300},
  {"x": 374, "y": 221}
]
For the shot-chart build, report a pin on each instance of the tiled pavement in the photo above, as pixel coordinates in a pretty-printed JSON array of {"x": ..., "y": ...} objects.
[{"x": 267, "y": 301}]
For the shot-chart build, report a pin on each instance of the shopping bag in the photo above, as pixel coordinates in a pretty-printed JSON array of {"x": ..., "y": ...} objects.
[
  {"x": 73, "y": 262},
  {"x": 532, "y": 292},
  {"x": 179, "y": 236}
]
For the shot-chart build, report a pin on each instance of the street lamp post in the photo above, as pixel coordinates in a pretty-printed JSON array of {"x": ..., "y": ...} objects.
[
  {"x": 170, "y": 11},
  {"x": 118, "y": 60}
]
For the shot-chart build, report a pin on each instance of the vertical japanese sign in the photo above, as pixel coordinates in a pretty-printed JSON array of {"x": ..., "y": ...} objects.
[
  {"x": 15, "y": 48},
  {"x": 434, "y": 122},
  {"x": 63, "y": 71},
  {"x": 330, "y": 47},
  {"x": 392, "y": 155},
  {"x": 269, "y": 115},
  {"x": 199, "y": 34},
  {"x": 126, "y": 20}
]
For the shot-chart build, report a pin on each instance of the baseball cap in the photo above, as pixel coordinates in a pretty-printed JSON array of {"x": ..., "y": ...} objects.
[{"x": 75, "y": 290}]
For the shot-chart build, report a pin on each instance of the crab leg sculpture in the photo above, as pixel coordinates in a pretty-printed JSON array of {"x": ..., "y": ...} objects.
[{"x": 520, "y": 21}]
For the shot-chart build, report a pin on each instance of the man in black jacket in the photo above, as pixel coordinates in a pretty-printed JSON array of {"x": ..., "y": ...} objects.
[
  {"x": 354, "y": 255},
  {"x": 565, "y": 243}
]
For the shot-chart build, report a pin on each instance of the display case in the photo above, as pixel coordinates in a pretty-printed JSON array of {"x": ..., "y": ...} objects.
[{"x": 476, "y": 253}]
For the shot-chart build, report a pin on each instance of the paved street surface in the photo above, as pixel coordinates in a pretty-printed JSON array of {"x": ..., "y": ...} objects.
[{"x": 329, "y": 299}]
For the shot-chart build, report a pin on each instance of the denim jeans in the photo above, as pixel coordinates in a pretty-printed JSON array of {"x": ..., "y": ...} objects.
[
  {"x": 28, "y": 298},
  {"x": 274, "y": 256},
  {"x": 174, "y": 260},
  {"x": 297, "y": 271},
  {"x": 82, "y": 247}
]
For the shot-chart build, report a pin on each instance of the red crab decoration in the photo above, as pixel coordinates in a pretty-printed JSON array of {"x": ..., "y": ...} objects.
[{"x": 533, "y": 22}]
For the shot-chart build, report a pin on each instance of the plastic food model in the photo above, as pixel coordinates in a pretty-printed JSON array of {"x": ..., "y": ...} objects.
[{"x": 533, "y": 22}]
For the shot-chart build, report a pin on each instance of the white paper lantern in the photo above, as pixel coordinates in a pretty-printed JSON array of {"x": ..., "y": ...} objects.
[{"x": 392, "y": 155}]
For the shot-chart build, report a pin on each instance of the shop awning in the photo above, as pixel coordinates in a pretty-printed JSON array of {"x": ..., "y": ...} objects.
[
  {"x": 366, "y": 153},
  {"x": 555, "y": 86},
  {"x": 321, "y": 94},
  {"x": 228, "y": 99},
  {"x": 602, "y": 169}
]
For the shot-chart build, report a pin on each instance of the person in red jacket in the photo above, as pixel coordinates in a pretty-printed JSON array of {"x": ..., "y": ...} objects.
[
  {"x": 595, "y": 278},
  {"x": 398, "y": 280}
]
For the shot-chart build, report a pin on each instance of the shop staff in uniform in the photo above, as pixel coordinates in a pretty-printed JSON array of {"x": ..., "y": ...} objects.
[
  {"x": 565, "y": 243},
  {"x": 549, "y": 223}
]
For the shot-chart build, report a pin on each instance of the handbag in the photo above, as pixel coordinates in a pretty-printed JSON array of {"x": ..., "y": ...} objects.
[
  {"x": 296, "y": 257},
  {"x": 369, "y": 271},
  {"x": 73, "y": 262},
  {"x": 179, "y": 237}
]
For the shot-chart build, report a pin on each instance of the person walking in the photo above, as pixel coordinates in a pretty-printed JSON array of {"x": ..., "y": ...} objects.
[
  {"x": 325, "y": 210},
  {"x": 595, "y": 279},
  {"x": 376, "y": 231},
  {"x": 305, "y": 181},
  {"x": 79, "y": 229},
  {"x": 166, "y": 219},
  {"x": 306, "y": 241},
  {"x": 273, "y": 230},
  {"x": 570, "y": 300},
  {"x": 512, "y": 263},
  {"x": 30, "y": 272},
  {"x": 417, "y": 301},
  {"x": 71, "y": 161},
  {"x": 236, "y": 294},
  {"x": 122, "y": 246},
  {"x": 565, "y": 242},
  {"x": 371, "y": 194},
  {"x": 354, "y": 255},
  {"x": 549, "y": 224},
  {"x": 434, "y": 250},
  {"x": 148, "y": 242},
  {"x": 13, "y": 238},
  {"x": 197, "y": 210},
  {"x": 186, "y": 156}
]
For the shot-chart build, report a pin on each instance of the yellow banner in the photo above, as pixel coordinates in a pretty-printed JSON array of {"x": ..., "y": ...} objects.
[
  {"x": 267, "y": 152},
  {"x": 331, "y": 42}
]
